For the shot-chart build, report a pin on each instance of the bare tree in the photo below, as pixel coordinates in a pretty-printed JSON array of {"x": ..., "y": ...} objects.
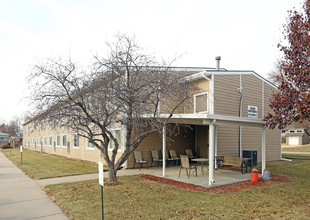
[
  {"x": 274, "y": 75},
  {"x": 128, "y": 90},
  {"x": 13, "y": 127}
]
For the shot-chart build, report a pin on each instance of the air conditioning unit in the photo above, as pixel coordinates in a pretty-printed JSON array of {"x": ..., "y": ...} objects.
[{"x": 250, "y": 154}]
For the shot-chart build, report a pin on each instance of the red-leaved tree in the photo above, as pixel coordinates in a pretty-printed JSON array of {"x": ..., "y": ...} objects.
[{"x": 292, "y": 102}]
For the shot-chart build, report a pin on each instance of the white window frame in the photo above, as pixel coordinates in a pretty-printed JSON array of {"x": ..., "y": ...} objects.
[
  {"x": 64, "y": 145},
  {"x": 44, "y": 141},
  {"x": 50, "y": 141},
  {"x": 199, "y": 94},
  {"x": 120, "y": 144},
  {"x": 78, "y": 138},
  {"x": 89, "y": 148},
  {"x": 58, "y": 144}
]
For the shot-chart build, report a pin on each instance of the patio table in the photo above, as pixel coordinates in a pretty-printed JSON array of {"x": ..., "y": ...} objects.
[{"x": 201, "y": 161}]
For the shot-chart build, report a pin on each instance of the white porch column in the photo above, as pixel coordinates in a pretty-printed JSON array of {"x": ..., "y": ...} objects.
[
  {"x": 164, "y": 151},
  {"x": 211, "y": 153},
  {"x": 215, "y": 143},
  {"x": 263, "y": 150}
]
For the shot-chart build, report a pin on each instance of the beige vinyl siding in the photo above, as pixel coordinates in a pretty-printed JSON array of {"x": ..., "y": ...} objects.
[
  {"x": 227, "y": 140},
  {"x": 251, "y": 94},
  {"x": 226, "y": 95},
  {"x": 202, "y": 85},
  {"x": 252, "y": 140}
]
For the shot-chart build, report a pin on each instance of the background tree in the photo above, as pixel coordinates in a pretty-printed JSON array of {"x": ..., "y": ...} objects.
[
  {"x": 128, "y": 89},
  {"x": 274, "y": 75},
  {"x": 13, "y": 127},
  {"x": 292, "y": 102}
]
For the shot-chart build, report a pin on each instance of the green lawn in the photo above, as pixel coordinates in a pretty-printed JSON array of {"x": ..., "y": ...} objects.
[
  {"x": 40, "y": 166},
  {"x": 136, "y": 198},
  {"x": 303, "y": 148}
]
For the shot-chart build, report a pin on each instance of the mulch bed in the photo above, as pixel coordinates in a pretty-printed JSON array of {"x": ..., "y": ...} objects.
[{"x": 221, "y": 189}]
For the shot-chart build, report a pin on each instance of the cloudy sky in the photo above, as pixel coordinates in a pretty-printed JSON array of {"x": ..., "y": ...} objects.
[{"x": 244, "y": 32}]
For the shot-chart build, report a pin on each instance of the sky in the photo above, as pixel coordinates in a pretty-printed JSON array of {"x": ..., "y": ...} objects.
[{"x": 245, "y": 33}]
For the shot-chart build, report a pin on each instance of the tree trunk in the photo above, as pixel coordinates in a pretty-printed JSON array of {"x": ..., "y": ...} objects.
[{"x": 112, "y": 175}]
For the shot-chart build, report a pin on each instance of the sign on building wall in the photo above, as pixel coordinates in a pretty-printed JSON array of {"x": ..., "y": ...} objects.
[{"x": 252, "y": 111}]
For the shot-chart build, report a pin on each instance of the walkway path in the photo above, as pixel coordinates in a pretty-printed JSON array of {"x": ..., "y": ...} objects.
[
  {"x": 21, "y": 197},
  {"x": 67, "y": 179},
  {"x": 295, "y": 152}
]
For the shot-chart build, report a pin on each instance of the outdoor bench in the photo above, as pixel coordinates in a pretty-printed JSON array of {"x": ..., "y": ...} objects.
[{"x": 233, "y": 161}]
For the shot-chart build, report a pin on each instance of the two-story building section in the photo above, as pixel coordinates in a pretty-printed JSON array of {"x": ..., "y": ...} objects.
[{"x": 226, "y": 118}]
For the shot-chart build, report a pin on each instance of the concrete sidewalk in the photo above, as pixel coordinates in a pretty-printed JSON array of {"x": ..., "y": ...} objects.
[
  {"x": 21, "y": 197},
  {"x": 297, "y": 153}
]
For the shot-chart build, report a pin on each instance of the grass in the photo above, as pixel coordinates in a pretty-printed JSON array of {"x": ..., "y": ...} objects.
[
  {"x": 136, "y": 198},
  {"x": 303, "y": 148},
  {"x": 41, "y": 166}
]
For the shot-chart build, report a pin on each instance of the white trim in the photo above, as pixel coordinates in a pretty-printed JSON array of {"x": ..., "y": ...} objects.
[
  {"x": 44, "y": 141},
  {"x": 199, "y": 94},
  {"x": 263, "y": 149},
  {"x": 58, "y": 144},
  {"x": 120, "y": 144},
  {"x": 164, "y": 150},
  {"x": 212, "y": 94},
  {"x": 62, "y": 141},
  {"x": 75, "y": 147},
  {"x": 50, "y": 144},
  {"x": 263, "y": 99},
  {"x": 89, "y": 148},
  {"x": 211, "y": 152}
]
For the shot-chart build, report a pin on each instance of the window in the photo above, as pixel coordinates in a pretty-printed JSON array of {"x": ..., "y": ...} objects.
[
  {"x": 76, "y": 141},
  {"x": 201, "y": 102},
  {"x": 58, "y": 141},
  {"x": 38, "y": 141},
  {"x": 292, "y": 131},
  {"x": 89, "y": 145},
  {"x": 283, "y": 131},
  {"x": 45, "y": 141},
  {"x": 50, "y": 141},
  {"x": 118, "y": 136},
  {"x": 33, "y": 142},
  {"x": 64, "y": 140},
  {"x": 299, "y": 131}
]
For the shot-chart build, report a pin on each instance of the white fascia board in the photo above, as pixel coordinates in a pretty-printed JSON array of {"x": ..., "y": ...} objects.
[
  {"x": 211, "y": 117},
  {"x": 234, "y": 119}
]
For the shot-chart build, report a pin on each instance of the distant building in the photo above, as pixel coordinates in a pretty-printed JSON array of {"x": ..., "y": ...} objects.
[
  {"x": 4, "y": 138},
  {"x": 296, "y": 136},
  {"x": 17, "y": 140}
]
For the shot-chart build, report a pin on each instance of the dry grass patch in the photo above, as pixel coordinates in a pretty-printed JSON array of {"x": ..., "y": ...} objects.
[
  {"x": 301, "y": 148},
  {"x": 136, "y": 198},
  {"x": 41, "y": 166}
]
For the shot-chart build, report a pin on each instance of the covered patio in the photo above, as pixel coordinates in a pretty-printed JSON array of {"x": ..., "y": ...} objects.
[{"x": 213, "y": 177}]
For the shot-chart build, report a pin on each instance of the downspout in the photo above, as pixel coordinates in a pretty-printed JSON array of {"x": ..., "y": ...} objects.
[{"x": 240, "y": 114}]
